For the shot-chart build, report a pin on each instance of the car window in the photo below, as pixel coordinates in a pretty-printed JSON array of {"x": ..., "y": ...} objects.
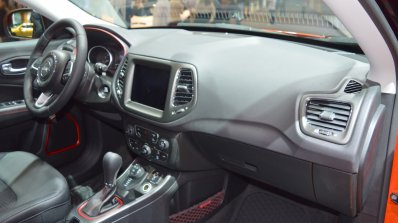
[
  {"x": 303, "y": 18},
  {"x": 18, "y": 22}
]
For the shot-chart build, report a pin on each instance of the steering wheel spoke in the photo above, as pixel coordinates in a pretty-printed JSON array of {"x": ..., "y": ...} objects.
[
  {"x": 34, "y": 68},
  {"x": 35, "y": 84},
  {"x": 67, "y": 72},
  {"x": 44, "y": 99}
]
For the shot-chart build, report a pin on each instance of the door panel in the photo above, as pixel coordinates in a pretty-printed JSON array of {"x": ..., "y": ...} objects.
[
  {"x": 16, "y": 49},
  {"x": 58, "y": 142},
  {"x": 17, "y": 126}
]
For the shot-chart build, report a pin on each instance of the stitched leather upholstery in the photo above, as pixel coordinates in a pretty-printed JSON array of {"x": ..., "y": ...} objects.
[{"x": 31, "y": 190}]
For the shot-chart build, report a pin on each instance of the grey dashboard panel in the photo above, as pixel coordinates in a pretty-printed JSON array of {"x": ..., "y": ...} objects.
[{"x": 257, "y": 101}]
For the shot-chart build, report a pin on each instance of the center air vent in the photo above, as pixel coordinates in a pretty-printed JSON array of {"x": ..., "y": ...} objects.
[
  {"x": 120, "y": 79},
  {"x": 353, "y": 87},
  {"x": 184, "y": 91},
  {"x": 328, "y": 117}
]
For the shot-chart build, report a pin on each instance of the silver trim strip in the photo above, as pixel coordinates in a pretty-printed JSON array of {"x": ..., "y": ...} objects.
[{"x": 102, "y": 47}]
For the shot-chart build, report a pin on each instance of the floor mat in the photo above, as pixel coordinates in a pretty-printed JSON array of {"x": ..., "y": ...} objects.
[
  {"x": 258, "y": 206},
  {"x": 199, "y": 211}
]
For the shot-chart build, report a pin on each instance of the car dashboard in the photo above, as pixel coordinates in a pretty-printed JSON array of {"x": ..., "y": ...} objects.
[{"x": 296, "y": 117}]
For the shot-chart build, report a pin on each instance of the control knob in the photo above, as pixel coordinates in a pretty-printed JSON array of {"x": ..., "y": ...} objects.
[
  {"x": 164, "y": 144},
  {"x": 137, "y": 171},
  {"x": 146, "y": 150}
]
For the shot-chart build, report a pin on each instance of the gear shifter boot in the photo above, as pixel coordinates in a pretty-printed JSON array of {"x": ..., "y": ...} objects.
[{"x": 111, "y": 164}]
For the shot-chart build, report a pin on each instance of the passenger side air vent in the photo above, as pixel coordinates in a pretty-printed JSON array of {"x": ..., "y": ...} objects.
[
  {"x": 184, "y": 91},
  {"x": 326, "y": 117},
  {"x": 353, "y": 87},
  {"x": 120, "y": 79}
]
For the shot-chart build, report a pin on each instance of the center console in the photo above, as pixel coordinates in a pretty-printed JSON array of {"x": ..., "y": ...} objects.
[
  {"x": 140, "y": 189},
  {"x": 149, "y": 91}
]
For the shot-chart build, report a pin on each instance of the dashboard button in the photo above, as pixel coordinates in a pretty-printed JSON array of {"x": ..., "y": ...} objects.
[
  {"x": 154, "y": 137},
  {"x": 133, "y": 144},
  {"x": 129, "y": 130},
  {"x": 139, "y": 132},
  {"x": 155, "y": 178},
  {"x": 137, "y": 171},
  {"x": 163, "y": 156}
]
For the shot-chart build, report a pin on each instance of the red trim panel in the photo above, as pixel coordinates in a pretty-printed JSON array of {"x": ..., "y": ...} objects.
[
  {"x": 82, "y": 214},
  {"x": 60, "y": 150}
]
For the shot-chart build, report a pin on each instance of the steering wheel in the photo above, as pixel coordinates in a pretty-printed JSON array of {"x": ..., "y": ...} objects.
[{"x": 56, "y": 74}]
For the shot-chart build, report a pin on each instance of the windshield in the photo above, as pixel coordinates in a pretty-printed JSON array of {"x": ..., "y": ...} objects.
[{"x": 303, "y": 18}]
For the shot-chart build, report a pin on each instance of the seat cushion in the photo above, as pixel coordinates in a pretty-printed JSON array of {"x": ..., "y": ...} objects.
[{"x": 31, "y": 190}]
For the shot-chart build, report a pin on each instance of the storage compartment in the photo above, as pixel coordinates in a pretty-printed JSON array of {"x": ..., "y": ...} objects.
[
  {"x": 286, "y": 173},
  {"x": 336, "y": 189}
]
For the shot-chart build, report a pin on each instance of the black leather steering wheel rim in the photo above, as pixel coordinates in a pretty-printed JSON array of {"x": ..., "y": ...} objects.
[{"x": 76, "y": 73}]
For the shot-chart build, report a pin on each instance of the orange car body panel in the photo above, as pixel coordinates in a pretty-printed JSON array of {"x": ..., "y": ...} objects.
[{"x": 391, "y": 215}]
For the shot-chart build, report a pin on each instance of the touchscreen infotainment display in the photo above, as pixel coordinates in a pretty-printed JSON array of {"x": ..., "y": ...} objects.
[{"x": 150, "y": 86}]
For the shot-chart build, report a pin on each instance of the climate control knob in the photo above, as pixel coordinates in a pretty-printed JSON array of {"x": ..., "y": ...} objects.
[
  {"x": 146, "y": 150},
  {"x": 164, "y": 144}
]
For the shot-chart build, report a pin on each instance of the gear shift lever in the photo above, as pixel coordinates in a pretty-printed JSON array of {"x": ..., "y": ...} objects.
[{"x": 111, "y": 164}]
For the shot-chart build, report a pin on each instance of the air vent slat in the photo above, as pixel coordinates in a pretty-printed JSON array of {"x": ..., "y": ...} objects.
[
  {"x": 183, "y": 98},
  {"x": 184, "y": 92},
  {"x": 180, "y": 96},
  {"x": 120, "y": 79},
  {"x": 334, "y": 122},
  {"x": 338, "y": 117},
  {"x": 338, "y": 106},
  {"x": 324, "y": 108},
  {"x": 327, "y": 115},
  {"x": 353, "y": 87}
]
